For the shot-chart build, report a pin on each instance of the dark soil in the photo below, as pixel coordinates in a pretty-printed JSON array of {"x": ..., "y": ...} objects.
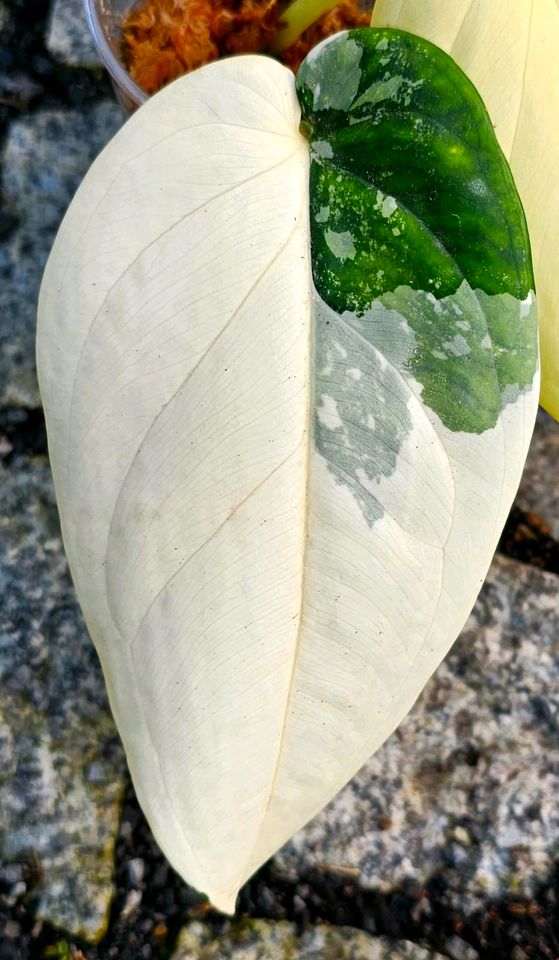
[
  {"x": 152, "y": 903},
  {"x": 528, "y": 538},
  {"x": 22, "y": 431}
]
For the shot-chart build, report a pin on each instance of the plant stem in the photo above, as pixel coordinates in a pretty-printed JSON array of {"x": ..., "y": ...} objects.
[{"x": 299, "y": 15}]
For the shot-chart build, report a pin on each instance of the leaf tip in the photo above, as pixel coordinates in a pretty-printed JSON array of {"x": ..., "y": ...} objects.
[{"x": 224, "y": 901}]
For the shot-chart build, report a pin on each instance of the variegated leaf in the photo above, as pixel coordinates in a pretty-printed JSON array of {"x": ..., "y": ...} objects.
[{"x": 289, "y": 371}]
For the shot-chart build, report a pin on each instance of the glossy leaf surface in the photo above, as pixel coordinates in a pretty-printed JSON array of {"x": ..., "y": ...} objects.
[
  {"x": 287, "y": 412},
  {"x": 510, "y": 50}
]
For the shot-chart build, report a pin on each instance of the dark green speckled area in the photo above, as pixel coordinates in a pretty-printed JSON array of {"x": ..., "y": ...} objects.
[{"x": 412, "y": 204}]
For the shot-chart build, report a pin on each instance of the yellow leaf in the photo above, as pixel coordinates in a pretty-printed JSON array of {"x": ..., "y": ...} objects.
[{"x": 510, "y": 50}]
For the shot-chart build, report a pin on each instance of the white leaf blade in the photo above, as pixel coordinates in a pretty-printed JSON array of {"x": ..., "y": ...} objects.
[
  {"x": 382, "y": 607},
  {"x": 138, "y": 360}
]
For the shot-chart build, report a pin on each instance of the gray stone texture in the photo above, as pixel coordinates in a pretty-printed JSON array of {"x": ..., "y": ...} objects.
[
  {"x": 61, "y": 764},
  {"x": 467, "y": 787},
  {"x": 46, "y": 155},
  {"x": 68, "y": 37},
  {"x": 262, "y": 940},
  {"x": 539, "y": 488}
]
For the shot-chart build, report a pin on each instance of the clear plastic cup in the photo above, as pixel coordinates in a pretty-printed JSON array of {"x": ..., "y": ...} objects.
[{"x": 105, "y": 19}]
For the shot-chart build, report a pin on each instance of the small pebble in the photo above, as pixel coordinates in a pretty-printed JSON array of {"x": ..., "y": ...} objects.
[
  {"x": 131, "y": 904},
  {"x": 95, "y": 772},
  {"x": 11, "y": 874},
  {"x": 135, "y": 870},
  {"x": 458, "y": 949},
  {"x": 462, "y": 836},
  {"x": 12, "y": 929}
]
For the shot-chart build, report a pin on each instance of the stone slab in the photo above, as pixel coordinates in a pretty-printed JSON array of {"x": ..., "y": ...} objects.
[
  {"x": 539, "y": 487},
  {"x": 61, "y": 763},
  {"x": 68, "y": 37},
  {"x": 45, "y": 157},
  {"x": 265, "y": 940}
]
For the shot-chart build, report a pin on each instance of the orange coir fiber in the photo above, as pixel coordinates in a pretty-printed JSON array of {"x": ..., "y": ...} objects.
[{"x": 162, "y": 39}]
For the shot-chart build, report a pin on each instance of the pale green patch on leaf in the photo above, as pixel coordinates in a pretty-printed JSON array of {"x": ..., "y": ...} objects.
[
  {"x": 341, "y": 245},
  {"x": 336, "y": 77}
]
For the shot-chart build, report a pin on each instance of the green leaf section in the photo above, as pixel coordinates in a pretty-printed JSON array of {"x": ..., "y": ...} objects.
[
  {"x": 472, "y": 352},
  {"x": 410, "y": 192}
]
